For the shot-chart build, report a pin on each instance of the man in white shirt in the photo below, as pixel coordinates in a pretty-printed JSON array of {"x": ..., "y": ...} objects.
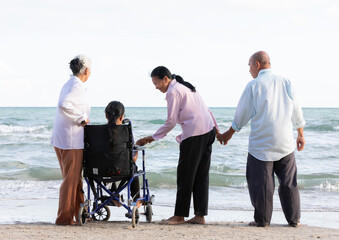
[
  {"x": 269, "y": 102},
  {"x": 68, "y": 139}
]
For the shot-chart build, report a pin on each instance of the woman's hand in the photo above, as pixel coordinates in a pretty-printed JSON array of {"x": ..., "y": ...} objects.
[
  {"x": 226, "y": 136},
  {"x": 144, "y": 141},
  {"x": 84, "y": 123},
  {"x": 218, "y": 134}
]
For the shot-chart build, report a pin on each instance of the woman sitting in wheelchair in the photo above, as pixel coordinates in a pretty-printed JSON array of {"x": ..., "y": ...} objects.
[{"x": 115, "y": 113}]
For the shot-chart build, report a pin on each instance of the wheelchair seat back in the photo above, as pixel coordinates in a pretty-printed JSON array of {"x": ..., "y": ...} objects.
[{"x": 106, "y": 161}]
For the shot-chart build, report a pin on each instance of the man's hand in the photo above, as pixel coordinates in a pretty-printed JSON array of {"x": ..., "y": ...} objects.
[
  {"x": 300, "y": 139},
  {"x": 144, "y": 141},
  {"x": 226, "y": 136}
]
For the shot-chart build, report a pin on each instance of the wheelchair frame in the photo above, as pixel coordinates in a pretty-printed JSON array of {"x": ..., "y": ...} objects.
[{"x": 100, "y": 210}]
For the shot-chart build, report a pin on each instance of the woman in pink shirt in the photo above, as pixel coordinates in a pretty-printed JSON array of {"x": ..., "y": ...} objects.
[{"x": 186, "y": 107}]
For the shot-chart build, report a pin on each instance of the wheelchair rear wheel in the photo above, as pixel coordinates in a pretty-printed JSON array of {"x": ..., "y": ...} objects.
[
  {"x": 135, "y": 216},
  {"x": 103, "y": 214},
  {"x": 148, "y": 212}
]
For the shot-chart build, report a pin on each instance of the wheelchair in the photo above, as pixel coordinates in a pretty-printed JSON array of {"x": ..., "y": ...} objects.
[{"x": 105, "y": 164}]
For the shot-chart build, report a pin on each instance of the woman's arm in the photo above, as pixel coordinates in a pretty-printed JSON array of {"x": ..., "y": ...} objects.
[
  {"x": 172, "y": 117},
  {"x": 173, "y": 109}
]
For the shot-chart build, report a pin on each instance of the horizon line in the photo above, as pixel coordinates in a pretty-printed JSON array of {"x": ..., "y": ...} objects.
[{"x": 134, "y": 107}]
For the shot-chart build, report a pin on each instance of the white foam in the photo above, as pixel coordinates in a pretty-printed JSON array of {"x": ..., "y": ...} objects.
[
  {"x": 16, "y": 189},
  {"x": 329, "y": 186},
  {"x": 19, "y": 129}
]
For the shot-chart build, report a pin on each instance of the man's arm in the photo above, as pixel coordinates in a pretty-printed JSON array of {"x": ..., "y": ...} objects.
[
  {"x": 300, "y": 139},
  {"x": 243, "y": 113}
]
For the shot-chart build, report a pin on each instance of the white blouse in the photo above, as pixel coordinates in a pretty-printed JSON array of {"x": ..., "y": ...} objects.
[{"x": 72, "y": 109}]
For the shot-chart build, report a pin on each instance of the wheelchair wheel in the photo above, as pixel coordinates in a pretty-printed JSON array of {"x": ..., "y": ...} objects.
[
  {"x": 135, "y": 216},
  {"x": 148, "y": 212},
  {"x": 103, "y": 214},
  {"x": 83, "y": 214}
]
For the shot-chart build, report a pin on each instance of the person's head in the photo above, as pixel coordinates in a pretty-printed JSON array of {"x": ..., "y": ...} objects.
[
  {"x": 258, "y": 61},
  {"x": 115, "y": 112},
  {"x": 81, "y": 67},
  {"x": 162, "y": 77}
]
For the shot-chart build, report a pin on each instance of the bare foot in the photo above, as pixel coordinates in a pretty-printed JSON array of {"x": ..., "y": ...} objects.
[
  {"x": 258, "y": 224},
  {"x": 116, "y": 203},
  {"x": 197, "y": 220},
  {"x": 139, "y": 203},
  {"x": 252, "y": 223},
  {"x": 292, "y": 224},
  {"x": 75, "y": 223},
  {"x": 173, "y": 220}
]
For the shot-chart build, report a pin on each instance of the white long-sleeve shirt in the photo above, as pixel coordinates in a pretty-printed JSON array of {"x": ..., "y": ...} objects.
[
  {"x": 269, "y": 102},
  {"x": 189, "y": 110},
  {"x": 72, "y": 109}
]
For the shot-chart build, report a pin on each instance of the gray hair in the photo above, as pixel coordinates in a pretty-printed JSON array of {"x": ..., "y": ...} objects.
[
  {"x": 86, "y": 62},
  {"x": 79, "y": 64}
]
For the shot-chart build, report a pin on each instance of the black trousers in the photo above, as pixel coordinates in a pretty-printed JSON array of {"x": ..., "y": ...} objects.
[
  {"x": 193, "y": 174},
  {"x": 135, "y": 185},
  {"x": 260, "y": 179}
]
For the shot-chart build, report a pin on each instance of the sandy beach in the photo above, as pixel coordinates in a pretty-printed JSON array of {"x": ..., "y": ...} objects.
[{"x": 124, "y": 230}]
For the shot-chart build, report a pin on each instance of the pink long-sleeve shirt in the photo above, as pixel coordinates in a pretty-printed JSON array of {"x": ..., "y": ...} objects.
[{"x": 188, "y": 109}]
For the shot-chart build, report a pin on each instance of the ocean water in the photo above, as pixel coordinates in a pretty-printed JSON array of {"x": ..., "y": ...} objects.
[{"x": 30, "y": 175}]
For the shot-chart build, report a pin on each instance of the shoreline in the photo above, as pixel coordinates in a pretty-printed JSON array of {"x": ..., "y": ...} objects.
[
  {"x": 123, "y": 230},
  {"x": 32, "y": 211}
]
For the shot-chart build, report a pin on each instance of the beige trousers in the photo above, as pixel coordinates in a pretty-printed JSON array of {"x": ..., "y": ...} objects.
[{"x": 70, "y": 195}]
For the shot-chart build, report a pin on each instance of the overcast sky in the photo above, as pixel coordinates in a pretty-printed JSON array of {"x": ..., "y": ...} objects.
[{"x": 208, "y": 43}]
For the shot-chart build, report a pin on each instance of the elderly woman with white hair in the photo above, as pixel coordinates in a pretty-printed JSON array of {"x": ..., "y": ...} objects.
[{"x": 67, "y": 138}]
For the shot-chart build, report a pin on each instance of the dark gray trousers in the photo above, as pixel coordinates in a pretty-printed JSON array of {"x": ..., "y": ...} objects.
[
  {"x": 260, "y": 180},
  {"x": 193, "y": 174}
]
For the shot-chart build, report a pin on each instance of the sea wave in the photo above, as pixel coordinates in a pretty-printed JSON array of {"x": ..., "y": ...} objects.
[
  {"x": 156, "y": 121},
  {"x": 29, "y": 189},
  {"x": 31, "y": 173},
  {"x": 328, "y": 181},
  {"x": 322, "y": 127},
  {"x": 227, "y": 177},
  {"x": 5, "y": 129}
]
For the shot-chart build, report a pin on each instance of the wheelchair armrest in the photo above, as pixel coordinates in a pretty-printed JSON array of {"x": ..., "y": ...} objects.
[
  {"x": 126, "y": 121},
  {"x": 139, "y": 148}
]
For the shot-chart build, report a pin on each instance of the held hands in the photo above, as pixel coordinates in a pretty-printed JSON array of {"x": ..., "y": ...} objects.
[
  {"x": 144, "y": 141},
  {"x": 225, "y": 137}
]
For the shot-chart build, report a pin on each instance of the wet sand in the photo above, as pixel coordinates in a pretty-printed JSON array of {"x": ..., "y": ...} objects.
[{"x": 123, "y": 230}]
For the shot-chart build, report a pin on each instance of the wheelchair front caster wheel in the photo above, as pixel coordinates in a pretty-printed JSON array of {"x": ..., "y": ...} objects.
[
  {"x": 135, "y": 216},
  {"x": 148, "y": 212},
  {"x": 103, "y": 214},
  {"x": 83, "y": 214}
]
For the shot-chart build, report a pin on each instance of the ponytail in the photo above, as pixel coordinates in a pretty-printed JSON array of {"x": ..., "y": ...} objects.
[
  {"x": 161, "y": 72},
  {"x": 181, "y": 80}
]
